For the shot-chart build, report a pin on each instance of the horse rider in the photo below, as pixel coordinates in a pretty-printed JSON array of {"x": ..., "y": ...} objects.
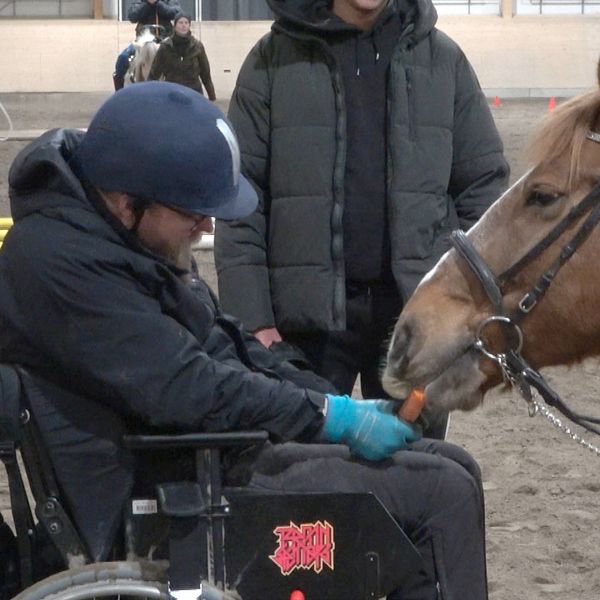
[
  {"x": 159, "y": 13},
  {"x": 100, "y": 303}
]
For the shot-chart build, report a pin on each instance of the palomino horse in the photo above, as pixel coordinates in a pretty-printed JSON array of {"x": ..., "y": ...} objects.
[
  {"x": 528, "y": 264},
  {"x": 146, "y": 47}
]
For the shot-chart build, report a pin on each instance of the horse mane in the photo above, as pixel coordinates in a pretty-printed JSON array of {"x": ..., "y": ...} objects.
[{"x": 562, "y": 133}]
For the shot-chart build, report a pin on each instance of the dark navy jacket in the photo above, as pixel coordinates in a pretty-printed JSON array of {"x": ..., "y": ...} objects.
[{"x": 103, "y": 323}]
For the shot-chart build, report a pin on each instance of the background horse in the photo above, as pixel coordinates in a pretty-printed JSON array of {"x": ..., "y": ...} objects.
[
  {"x": 433, "y": 341},
  {"x": 146, "y": 47}
]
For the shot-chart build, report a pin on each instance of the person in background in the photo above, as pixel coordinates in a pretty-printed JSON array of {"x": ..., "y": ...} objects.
[
  {"x": 368, "y": 139},
  {"x": 182, "y": 59},
  {"x": 145, "y": 12},
  {"x": 98, "y": 302}
]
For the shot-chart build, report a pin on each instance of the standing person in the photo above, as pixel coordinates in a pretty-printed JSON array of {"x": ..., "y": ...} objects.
[
  {"x": 145, "y": 12},
  {"x": 368, "y": 139},
  {"x": 182, "y": 59},
  {"x": 97, "y": 302}
]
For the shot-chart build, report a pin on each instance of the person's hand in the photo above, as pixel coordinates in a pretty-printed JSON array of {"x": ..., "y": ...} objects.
[
  {"x": 267, "y": 336},
  {"x": 370, "y": 428}
]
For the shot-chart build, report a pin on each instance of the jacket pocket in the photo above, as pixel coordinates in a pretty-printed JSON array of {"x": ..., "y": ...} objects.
[{"x": 420, "y": 227}]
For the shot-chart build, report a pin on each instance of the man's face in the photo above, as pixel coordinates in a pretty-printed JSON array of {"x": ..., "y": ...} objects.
[
  {"x": 171, "y": 233},
  {"x": 364, "y": 5},
  {"x": 182, "y": 27},
  {"x": 362, "y": 13}
]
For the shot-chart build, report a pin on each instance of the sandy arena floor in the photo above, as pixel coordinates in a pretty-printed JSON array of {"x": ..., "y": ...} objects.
[{"x": 542, "y": 489}]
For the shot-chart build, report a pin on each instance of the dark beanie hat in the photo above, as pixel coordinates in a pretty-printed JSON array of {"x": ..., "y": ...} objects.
[{"x": 181, "y": 15}]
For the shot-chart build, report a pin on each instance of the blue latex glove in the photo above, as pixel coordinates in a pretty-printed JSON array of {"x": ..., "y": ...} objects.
[{"x": 370, "y": 428}]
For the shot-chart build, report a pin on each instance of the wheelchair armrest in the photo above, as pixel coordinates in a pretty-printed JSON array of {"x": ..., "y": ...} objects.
[{"x": 195, "y": 440}]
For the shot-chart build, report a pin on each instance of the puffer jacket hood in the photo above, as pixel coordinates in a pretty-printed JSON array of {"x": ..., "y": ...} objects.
[
  {"x": 315, "y": 16},
  {"x": 41, "y": 176},
  {"x": 45, "y": 179}
]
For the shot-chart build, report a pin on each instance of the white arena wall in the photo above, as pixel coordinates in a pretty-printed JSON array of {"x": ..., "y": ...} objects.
[{"x": 518, "y": 56}]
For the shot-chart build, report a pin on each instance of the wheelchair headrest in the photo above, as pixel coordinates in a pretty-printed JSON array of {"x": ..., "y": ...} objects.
[{"x": 10, "y": 404}]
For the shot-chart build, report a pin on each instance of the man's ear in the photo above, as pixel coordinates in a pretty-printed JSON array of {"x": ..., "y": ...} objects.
[{"x": 121, "y": 206}]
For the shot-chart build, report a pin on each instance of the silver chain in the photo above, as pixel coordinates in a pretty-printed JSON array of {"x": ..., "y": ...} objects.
[{"x": 536, "y": 407}]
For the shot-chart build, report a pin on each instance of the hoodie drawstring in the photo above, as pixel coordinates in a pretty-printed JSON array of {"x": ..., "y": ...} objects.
[{"x": 374, "y": 42}]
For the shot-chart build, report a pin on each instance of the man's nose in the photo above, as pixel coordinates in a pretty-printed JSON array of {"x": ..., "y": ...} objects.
[{"x": 206, "y": 225}]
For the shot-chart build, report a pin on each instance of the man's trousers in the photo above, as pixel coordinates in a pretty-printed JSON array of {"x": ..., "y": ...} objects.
[{"x": 433, "y": 491}]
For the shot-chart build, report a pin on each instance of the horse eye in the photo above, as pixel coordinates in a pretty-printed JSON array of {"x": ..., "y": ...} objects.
[{"x": 541, "y": 198}]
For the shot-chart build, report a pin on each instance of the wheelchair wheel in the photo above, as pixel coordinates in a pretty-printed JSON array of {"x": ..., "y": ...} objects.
[{"x": 102, "y": 580}]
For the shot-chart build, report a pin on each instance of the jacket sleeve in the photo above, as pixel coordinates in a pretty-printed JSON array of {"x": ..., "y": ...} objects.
[
  {"x": 204, "y": 69},
  {"x": 158, "y": 65},
  {"x": 109, "y": 337},
  {"x": 168, "y": 9},
  {"x": 140, "y": 12},
  {"x": 479, "y": 170},
  {"x": 241, "y": 246}
]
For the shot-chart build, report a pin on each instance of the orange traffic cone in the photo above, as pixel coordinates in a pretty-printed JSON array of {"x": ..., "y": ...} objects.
[
  {"x": 497, "y": 101},
  {"x": 552, "y": 104}
]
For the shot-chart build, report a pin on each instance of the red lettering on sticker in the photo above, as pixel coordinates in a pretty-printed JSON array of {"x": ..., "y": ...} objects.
[{"x": 307, "y": 546}]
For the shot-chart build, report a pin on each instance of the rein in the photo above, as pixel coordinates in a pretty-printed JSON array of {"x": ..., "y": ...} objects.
[{"x": 515, "y": 369}]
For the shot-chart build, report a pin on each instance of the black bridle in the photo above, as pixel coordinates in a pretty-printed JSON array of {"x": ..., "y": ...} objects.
[{"x": 514, "y": 368}]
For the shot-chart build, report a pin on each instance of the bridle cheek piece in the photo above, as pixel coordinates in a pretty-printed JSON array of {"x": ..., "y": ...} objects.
[{"x": 515, "y": 369}]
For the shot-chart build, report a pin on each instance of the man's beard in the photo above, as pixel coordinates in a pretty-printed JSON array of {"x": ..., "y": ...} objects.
[
  {"x": 178, "y": 254},
  {"x": 181, "y": 257}
]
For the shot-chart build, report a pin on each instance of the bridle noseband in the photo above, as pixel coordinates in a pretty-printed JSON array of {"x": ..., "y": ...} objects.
[{"x": 515, "y": 369}]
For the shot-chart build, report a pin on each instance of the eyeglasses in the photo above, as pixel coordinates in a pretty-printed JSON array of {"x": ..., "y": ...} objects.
[{"x": 196, "y": 217}]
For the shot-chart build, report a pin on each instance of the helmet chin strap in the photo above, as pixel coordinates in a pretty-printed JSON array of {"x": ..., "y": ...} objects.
[{"x": 138, "y": 207}]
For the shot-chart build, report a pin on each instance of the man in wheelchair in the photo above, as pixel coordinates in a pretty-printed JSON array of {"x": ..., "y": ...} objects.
[{"x": 100, "y": 303}]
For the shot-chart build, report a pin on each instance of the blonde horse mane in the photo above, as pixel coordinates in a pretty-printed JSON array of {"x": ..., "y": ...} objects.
[{"x": 563, "y": 132}]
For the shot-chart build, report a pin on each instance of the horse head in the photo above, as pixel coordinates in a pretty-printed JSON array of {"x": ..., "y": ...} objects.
[
  {"x": 146, "y": 46},
  {"x": 512, "y": 252}
]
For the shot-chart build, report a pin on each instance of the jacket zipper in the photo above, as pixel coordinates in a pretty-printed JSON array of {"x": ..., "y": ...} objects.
[
  {"x": 339, "y": 290},
  {"x": 410, "y": 96}
]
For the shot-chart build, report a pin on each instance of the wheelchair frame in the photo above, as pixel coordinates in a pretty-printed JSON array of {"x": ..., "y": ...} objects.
[{"x": 201, "y": 516}]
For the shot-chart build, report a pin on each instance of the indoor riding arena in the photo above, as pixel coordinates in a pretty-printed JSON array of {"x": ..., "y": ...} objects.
[{"x": 542, "y": 488}]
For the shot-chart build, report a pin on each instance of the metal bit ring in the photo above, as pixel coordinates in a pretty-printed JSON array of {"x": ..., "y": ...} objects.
[{"x": 480, "y": 345}]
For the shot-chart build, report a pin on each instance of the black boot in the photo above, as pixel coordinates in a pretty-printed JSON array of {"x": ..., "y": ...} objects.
[{"x": 119, "y": 82}]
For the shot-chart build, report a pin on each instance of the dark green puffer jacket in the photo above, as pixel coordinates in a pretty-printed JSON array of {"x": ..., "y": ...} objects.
[
  {"x": 284, "y": 264},
  {"x": 183, "y": 60}
]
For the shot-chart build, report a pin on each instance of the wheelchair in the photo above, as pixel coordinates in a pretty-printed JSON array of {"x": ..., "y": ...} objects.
[{"x": 193, "y": 537}]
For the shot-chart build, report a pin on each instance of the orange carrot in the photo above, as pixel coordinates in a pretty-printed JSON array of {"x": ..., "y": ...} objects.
[{"x": 413, "y": 405}]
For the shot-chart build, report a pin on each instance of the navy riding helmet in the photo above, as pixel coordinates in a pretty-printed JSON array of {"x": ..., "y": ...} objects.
[{"x": 166, "y": 143}]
